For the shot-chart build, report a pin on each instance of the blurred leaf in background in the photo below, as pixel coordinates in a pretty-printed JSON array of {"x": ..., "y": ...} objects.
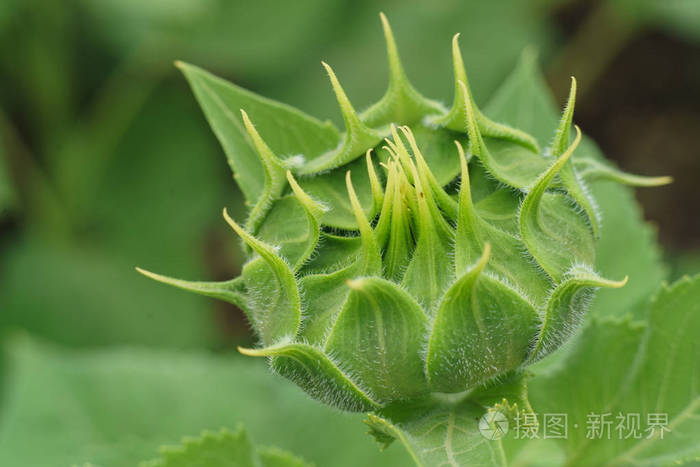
[
  {"x": 117, "y": 407},
  {"x": 81, "y": 288},
  {"x": 7, "y": 194}
]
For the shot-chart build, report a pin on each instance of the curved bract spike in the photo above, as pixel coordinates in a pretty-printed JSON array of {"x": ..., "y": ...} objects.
[
  {"x": 466, "y": 217},
  {"x": 231, "y": 291},
  {"x": 428, "y": 211},
  {"x": 274, "y": 176},
  {"x": 408, "y": 194},
  {"x": 482, "y": 329},
  {"x": 514, "y": 168},
  {"x": 456, "y": 119},
  {"x": 398, "y": 252},
  {"x": 379, "y": 337},
  {"x": 314, "y": 210},
  {"x": 381, "y": 230},
  {"x": 568, "y": 176},
  {"x": 551, "y": 229},
  {"x": 316, "y": 374},
  {"x": 446, "y": 203},
  {"x": 401, "y": 102},
  {"x": 272, "y": 288},
  {"x": 429, "y": 272},
  {"x": 358, "y": 137},
  {"x": 565, "y": 308},
  {"x": 561, "y": 137},
  {"x": 399, "y": 152},
  {"x": 591, "y": 170},
  {"x": 375, "y": 184},
  {"x": 507, "y": 260},
  {"x": 371, "y": 255}
]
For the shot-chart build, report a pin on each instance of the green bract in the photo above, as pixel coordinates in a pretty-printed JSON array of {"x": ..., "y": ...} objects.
[{"x": 424, "y": 250}]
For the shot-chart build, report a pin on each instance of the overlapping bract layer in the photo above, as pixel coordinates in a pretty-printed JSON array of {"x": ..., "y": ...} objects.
[{"x": 388, "y": 263}]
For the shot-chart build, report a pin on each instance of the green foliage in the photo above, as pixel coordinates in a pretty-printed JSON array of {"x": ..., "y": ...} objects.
[
  {"x": 7, "y": 194},
  {"x": 223, "y": 449},
  {"x": 655, "y": 370},
  {"x": 117, "y": 407},
  {"x": 86, "y": 271}
]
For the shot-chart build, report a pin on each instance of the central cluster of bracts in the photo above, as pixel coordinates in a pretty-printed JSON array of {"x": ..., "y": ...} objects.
[{"x": 426, "y": 268}]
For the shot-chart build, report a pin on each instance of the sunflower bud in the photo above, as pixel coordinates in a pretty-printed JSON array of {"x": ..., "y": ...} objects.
[{"x": 424, "y": 250}]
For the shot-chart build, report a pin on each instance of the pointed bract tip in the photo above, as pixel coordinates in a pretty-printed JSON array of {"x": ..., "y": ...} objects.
[
  {"x": 144, "y": 272},
  {"x": 292, "y": 181},
  {"x": 375, "y": 184},
  {"x": 179, "y": 64},
  {"x": 572, "y": 90},
  {"x": 578, "y": 134},
  {"x": 460, "y": 150},
  {"x": 231, "y": 222},
  {"x": 665, "y": 180},
  {"x": 158, "y": 277},
  {"x": 290, "y": 178},
  {"x": 352, "y": 120},
  {"x": 327, "y": 67},
  {"x": 356, "y": 207},
  {"x": 388, "y": 34},
  {"x": 619, "y": 284},
  {"x": 559, "y": 163},
  {"x": 457, "y": 61},
  {"x": 250, "y": 352},
  {"x": 383, "y": 18},
  {"x": 570, "y": 150},
  {"x": 250, "y": 128}
]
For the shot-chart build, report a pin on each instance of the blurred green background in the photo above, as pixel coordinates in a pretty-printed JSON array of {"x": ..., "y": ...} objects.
[{"x": 106, "y": 162}]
